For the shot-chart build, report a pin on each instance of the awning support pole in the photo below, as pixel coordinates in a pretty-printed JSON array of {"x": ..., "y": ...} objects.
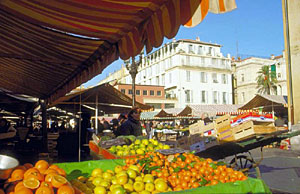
[{"x": 96, "y": 114}]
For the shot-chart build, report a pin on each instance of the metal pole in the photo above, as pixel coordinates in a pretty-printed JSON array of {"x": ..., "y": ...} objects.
[
  {"x": 290, "y": 92},
  {"x": 96, "y": 114},
  {"x": 133, "y": 90},
  {"x": 79, "y": 128}
]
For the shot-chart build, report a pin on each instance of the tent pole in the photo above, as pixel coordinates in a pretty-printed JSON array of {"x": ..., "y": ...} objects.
[
  {"x": 96, "y": 114},
  {"x": 79, "y": 128}
]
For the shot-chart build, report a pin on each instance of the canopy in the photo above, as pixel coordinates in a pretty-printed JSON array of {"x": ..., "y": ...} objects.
[
  {"x": 210, "y": 110},
  {"x": 267, "y": 103},
  {"x": 47, "y": 48},
  {"x": 110, "y": 100},
  {"x": 19, "y": 105}
]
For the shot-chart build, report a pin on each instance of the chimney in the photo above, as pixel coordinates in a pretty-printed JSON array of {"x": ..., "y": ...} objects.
[
  {"x": 198, "y": 39},
  {"x": 272, "y": 57}
]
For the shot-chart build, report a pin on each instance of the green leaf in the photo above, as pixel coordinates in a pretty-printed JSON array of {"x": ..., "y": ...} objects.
[
  {"x": 221, "y": 163},
  {"x": 213, "y": 165},
  {"x": 203, "y": 181},
  {"x": 182, "y": 157},
  {"x": 177, "y": 169},
  {"x": 154, "y": 168},
  {"x": 192, "y": 164}
]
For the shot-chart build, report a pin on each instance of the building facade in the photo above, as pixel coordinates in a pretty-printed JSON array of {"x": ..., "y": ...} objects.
[
  {"x": 148, "y": 94},
  {"x": 191, "y": 71},
  {"x": 246, "y": 72}
]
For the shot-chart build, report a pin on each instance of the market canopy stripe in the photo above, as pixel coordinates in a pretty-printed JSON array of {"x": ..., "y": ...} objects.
[{"x": 68, "y": 42}]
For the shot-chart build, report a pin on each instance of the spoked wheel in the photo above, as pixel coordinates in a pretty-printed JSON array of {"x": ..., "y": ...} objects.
[{"x": 242, "y": 163}]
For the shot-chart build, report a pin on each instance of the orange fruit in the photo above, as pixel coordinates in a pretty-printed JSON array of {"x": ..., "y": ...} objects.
[
  {"x": 53, "y": 166},
  {"x": 58, "y": 181},
  {"x": 61, "y": 172},
  {"x": 21, "y": 167},
  {"x": 24, "y": 191},
  {"x": 45, "y": 184},
  {"x": 49, "y": 177},
  {"x": 44, "y": 190},
  {"x": 30, "y": 171},
  {"x": 50, "y": 170},
  {"x": 65, "y": 189},
  {"x": 42, "y": 165},
  {"x": 31, "y": 183},
  {"x": 17, "y": 174},
  {"x": 28, "y": 165},
  {"x": 35, "y": 175},
  {"x": 19, "y": 186}
]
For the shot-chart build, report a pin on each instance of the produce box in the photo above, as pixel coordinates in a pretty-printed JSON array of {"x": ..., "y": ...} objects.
[
  {"x": 112, "y": 142},
  {"x": 251, "y": 185},
  {"x": 252, "y": 128},
  {"x": 183, "y": 143},
  {"x": 196, "y": 127},
  {"x": 225, "y": 134},
  {"x": 208, "y": 130},
  {"x": 223, "y": 121},
  {"x": 203, "y": 144}
]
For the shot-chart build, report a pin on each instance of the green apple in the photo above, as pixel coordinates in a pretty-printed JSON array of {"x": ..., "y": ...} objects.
[
  {"x": 140, "y": 151},
  {"x": 118, "y": 169},
  {"x": 105, "y": 184},
  {"x": 97, "y": 181},
  {"x": 137, "y": 142},
  {"x": 134, "y": 167},
  {"x": 149, "y": 187},
  {"x": 138, "y": 186},
  {"x": 100, "y": 190},
  {"x": 128, "y": 187},
  {"x": 145, "y": 141},
  {"x": 131, "y": 173}
]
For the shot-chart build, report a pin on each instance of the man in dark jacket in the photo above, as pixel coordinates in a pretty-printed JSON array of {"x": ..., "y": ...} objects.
[{"x": 132, "y": 125}]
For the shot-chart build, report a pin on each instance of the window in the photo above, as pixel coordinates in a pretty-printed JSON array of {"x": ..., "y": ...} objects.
[
  {"x": 242, "y": 77},
  {"x": 203, "y": 96},
  {"x": 200, "y": 50},
  {"x": 214, "y": 78},
  {"x": 188, "y": 96},
  {"x": 214, "y": 61},
  {"x": 190, "y": 48},
  {"x": 215, "y": 96},
  {"x": 279, "y": 75},
  {"x": 151, "y": 92},
  {"x": 188, "y": 60},
  {"x": 243, "y": 97},
  {"x": 123, "y": 91},
  {"x": 138, "y": 92},
  {"x": 158, "y": 93},
  {"x": 170, "y": 77},
  {"x": 209, "y": 50},
  {"x": 145, "y": 92},
  {"x": 224, "y": 98},
  {"x": 224, "y": 79},
  {"x": 130, "y": 91},
  {"x": 202, "y": 77},
  {"x": 169, "y": 105},
  {"x": 157, "y": 80},
  {"x": 188, "y": 76},
  {"x": 163, "y": 79}
]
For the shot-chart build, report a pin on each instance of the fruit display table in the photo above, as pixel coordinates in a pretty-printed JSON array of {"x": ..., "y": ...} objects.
[{"x": 251, "y": 185}]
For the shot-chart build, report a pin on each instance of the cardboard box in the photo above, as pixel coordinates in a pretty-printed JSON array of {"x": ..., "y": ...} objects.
[
  {"x": 252, "y": 128},
  {"x": 208, "y": 130},
  {"x": 183, "y": 143}
]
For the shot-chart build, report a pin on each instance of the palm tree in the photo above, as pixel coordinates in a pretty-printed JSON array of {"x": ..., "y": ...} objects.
[{"x": 266, "y": 80}]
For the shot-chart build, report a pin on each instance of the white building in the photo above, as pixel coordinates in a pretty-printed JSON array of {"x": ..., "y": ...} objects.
[
  {"x": 193, "y": 72},
  {"x": 246, "y": 74}
]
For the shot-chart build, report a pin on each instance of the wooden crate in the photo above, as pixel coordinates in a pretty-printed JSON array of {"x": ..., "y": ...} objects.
[
  {"x": 196, "y": 127},
  {"x": 208, "y": 130},
  {"x": 252, "y": 128},
  {"x": 223, "y": 121},
  {"x": 226, "y": 134}
]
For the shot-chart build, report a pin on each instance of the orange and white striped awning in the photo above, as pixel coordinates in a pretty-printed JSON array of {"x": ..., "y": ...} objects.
[{"x": 119, "y": 28}]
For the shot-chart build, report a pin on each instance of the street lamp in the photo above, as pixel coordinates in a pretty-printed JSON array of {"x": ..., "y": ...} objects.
[{"x": 133, "y": 70}]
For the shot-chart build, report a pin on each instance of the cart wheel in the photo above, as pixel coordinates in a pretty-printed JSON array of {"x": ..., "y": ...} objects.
[{"x": 242, "y": 163}]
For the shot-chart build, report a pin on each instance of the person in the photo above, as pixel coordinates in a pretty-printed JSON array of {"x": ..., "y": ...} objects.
[
  {"x": 105, "y": 124},
  {"x": 132, "y": 126},
  {"x": 6, "y": 130}
]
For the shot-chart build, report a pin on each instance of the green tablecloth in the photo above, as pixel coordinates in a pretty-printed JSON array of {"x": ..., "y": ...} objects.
[{"x": 251, "y": 185}]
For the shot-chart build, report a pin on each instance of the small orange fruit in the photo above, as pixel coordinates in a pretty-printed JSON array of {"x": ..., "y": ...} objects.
[
  {"x": 24, "y": 191},
  {"x": 44, "y": 190},
  {"x": 19, "y": 186},
  {"x": 31, "y": 183},
  {"x": 42, "y": 165},
  {"x": 28, "y": 165},
  {"x": 65, "y": 189},
  {"x": 17, "y": 174},
  {"x": 58, "y": 181}
]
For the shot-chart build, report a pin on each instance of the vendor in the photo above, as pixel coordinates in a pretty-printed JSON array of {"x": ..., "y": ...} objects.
[
  {"x": 132, "y": 125},
  {"x": 6, "y": 130}
]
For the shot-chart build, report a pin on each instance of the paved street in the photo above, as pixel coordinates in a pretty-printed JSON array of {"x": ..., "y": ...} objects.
[{"x": 280, "y": 169}]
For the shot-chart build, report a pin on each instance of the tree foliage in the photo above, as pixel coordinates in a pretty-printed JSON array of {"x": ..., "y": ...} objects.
[{"x": 266, "y": 80}]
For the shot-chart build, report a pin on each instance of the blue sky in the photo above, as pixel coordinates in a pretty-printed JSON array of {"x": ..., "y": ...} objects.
[{"x": 256, "y": 26}]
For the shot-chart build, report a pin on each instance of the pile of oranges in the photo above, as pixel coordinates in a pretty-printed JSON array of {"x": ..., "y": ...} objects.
[
  {"x": 41, "y": 178},
  {"x": 185, "y": 171}
]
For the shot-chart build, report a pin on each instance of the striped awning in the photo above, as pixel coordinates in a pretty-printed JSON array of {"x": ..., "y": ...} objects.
[{"x": 55, "y": 46}]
